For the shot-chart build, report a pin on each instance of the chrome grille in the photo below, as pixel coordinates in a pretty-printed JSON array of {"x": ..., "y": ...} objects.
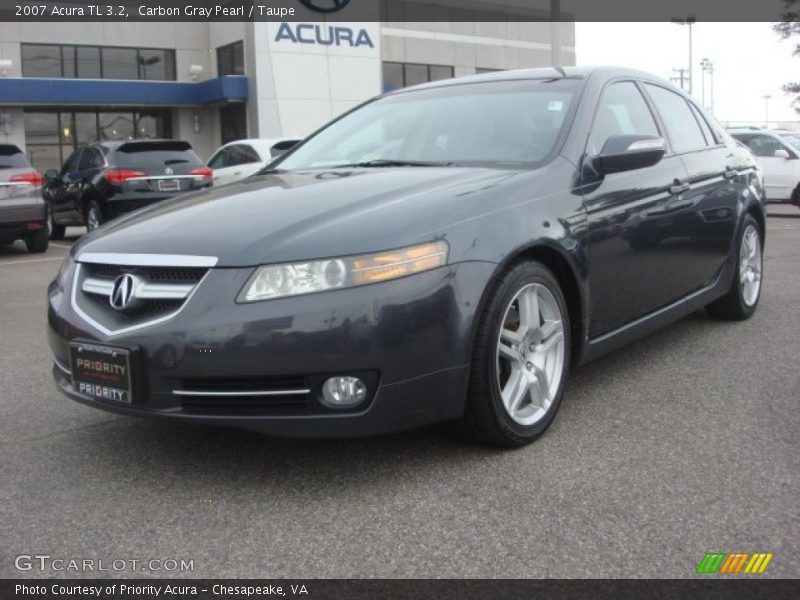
[
  {"x": 168, "y": 274},
  {"x": 160, "y": 290}
]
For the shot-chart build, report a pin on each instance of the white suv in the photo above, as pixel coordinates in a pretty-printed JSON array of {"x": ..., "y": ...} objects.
[{"x": 780, "y": 160}]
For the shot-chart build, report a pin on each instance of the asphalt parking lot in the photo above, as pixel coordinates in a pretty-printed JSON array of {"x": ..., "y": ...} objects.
[{"x": 683, "y": 443}]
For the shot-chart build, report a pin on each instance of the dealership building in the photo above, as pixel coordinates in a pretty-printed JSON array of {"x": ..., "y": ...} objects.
[{"x": 214, "y": 82}]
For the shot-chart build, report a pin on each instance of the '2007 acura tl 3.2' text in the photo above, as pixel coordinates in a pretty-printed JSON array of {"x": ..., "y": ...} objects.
[{"x": 441, "y": 253}]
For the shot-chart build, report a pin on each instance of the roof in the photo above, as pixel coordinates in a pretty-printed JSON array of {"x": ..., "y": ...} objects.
[{"x": 605, "y": 72}]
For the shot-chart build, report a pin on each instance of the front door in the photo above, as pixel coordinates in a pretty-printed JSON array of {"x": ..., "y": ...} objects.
[{"x": 632, "y": 265}]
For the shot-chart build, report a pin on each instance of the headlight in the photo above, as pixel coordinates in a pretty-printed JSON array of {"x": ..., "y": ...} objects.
[
  {"x": 292, "y": 279},
  {"x": 64, "y": 272}
]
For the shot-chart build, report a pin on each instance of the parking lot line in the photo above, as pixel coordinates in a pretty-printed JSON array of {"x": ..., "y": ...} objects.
[{"x": 30, "y": 260}]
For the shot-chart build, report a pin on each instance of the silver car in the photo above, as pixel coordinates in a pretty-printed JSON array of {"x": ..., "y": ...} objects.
[{"x": 23, "y": 214}]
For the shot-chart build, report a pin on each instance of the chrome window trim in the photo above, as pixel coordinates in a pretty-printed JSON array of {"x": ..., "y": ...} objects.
[
  {"x": 114, "y": 332},
  {"x": 295, "y": 392},
  {"x": 125, "y": 259}
]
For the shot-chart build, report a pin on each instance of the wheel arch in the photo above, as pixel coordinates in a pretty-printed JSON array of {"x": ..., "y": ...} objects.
[
  {"x": 757, "y": 211},
  {"x": 563, "y": 268}
]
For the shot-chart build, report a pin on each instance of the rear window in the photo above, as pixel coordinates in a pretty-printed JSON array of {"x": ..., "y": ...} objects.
[
  {"x": 12, "y": 157},
  {"x": 155, "y": 155}
]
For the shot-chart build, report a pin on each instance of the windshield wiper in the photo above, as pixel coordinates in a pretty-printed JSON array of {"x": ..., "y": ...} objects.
[{"x": 387, "y": 162}]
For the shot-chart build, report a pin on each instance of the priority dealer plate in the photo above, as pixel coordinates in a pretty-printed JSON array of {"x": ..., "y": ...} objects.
[{"x": 101, "y": 372}]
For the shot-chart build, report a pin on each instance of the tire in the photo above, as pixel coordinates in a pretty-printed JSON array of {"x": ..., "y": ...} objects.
[
  {"x": 38, "y": 242},
  {"x": 741, "y": 300},
  {"x": 93, "y": 217},
  {"x": 55, "y": 231},
  {"x": 493, "y": 372}
]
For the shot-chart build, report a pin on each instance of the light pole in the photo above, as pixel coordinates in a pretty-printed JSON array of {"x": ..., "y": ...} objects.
[
  {"x": 766, "y": 98},
  {"x": 688, "y": 21},
  {"x": 708, "y": 67}
]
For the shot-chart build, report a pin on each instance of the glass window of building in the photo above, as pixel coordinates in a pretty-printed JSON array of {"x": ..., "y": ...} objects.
[
  {"x": 230, "y": 59},
  {"x": 399, "y": 75},
  {"x": 87, "y": 62},
  {"x": 120, "y": 63},
  {"x": 94, "y": 62},
  {"x": 115, "y": 126},
  {"x": 41, "y": 60},
  {"x": 157, "y": 64}
]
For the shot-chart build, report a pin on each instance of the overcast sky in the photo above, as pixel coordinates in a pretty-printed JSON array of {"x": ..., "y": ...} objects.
[{"x": 749, "y": 60}]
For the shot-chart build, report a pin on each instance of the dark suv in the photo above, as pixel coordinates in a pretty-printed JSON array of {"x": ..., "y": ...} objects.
[
  {"x": 103, "y": 180},
  {"x": 22, "y": 211}
]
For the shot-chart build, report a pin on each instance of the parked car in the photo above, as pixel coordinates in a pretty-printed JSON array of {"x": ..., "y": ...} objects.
[
  {"x": 236, "y": 160},
  {"x": 22, "y": 209},
  {"x": 779, "y": 156},
  {"x": 444, "y": 252},
  {"x": 103, "y": 180}
]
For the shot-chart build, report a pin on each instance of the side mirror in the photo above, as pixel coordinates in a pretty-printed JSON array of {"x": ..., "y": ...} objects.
[
  {"x": 628, "y": 152},
  {"x": 781, "y": 153}
]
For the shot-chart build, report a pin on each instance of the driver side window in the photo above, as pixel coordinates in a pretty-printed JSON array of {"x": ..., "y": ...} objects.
[{"x": 622, "y": 110}]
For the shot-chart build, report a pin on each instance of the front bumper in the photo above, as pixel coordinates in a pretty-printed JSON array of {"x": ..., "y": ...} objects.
[{"x": 412, "y": 337}]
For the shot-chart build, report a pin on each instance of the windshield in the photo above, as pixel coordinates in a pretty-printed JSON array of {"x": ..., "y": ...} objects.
[{"x": 503, "y": 123}]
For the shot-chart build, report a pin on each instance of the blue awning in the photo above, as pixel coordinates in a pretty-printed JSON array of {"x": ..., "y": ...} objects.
[{"x": 118, "y": 92}]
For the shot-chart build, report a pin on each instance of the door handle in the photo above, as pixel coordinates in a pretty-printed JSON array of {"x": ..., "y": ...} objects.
[
  {"x": 729, "y": 173},
  {"x": 678, "y": 188}
]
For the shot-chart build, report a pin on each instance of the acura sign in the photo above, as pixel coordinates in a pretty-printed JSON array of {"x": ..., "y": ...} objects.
[{"x": 309, "y": 33}]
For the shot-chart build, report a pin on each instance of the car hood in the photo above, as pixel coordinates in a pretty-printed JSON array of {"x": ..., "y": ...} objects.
[{"x": 303, "y": 215}]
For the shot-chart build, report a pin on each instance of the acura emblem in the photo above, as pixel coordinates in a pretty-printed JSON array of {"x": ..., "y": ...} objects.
[
  {"x": 123, "y": 294},
  {"x": 325, "y": 6},
  {"x": 168, "y": 171}
]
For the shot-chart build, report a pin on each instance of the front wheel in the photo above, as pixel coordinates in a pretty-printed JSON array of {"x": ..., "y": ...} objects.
[
  {"x": 742, "y": 298},
  {"x": 521, "y": 359}
]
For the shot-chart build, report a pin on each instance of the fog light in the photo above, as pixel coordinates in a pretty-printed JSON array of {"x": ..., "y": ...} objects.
[{"x": 341, "y": 392}]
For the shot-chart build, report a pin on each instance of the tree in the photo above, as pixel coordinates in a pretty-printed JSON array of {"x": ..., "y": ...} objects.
[{"x": 790, "y": 27}]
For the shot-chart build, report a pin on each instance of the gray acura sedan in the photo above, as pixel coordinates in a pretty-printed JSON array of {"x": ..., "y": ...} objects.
[{"x": 441, "y": 253}]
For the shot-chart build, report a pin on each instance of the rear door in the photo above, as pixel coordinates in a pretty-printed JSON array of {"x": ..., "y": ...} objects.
[
  {"x": 634, "y": 245},
  {"x": 706, "y": 212},
  {"x": 63, "y": 191},
  {"x": 90, "y": 164}
]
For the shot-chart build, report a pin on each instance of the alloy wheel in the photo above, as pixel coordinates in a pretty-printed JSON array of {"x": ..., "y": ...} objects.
[
  {"x": 530, "y": 354},
  {"x": 750, "y": 265}
]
